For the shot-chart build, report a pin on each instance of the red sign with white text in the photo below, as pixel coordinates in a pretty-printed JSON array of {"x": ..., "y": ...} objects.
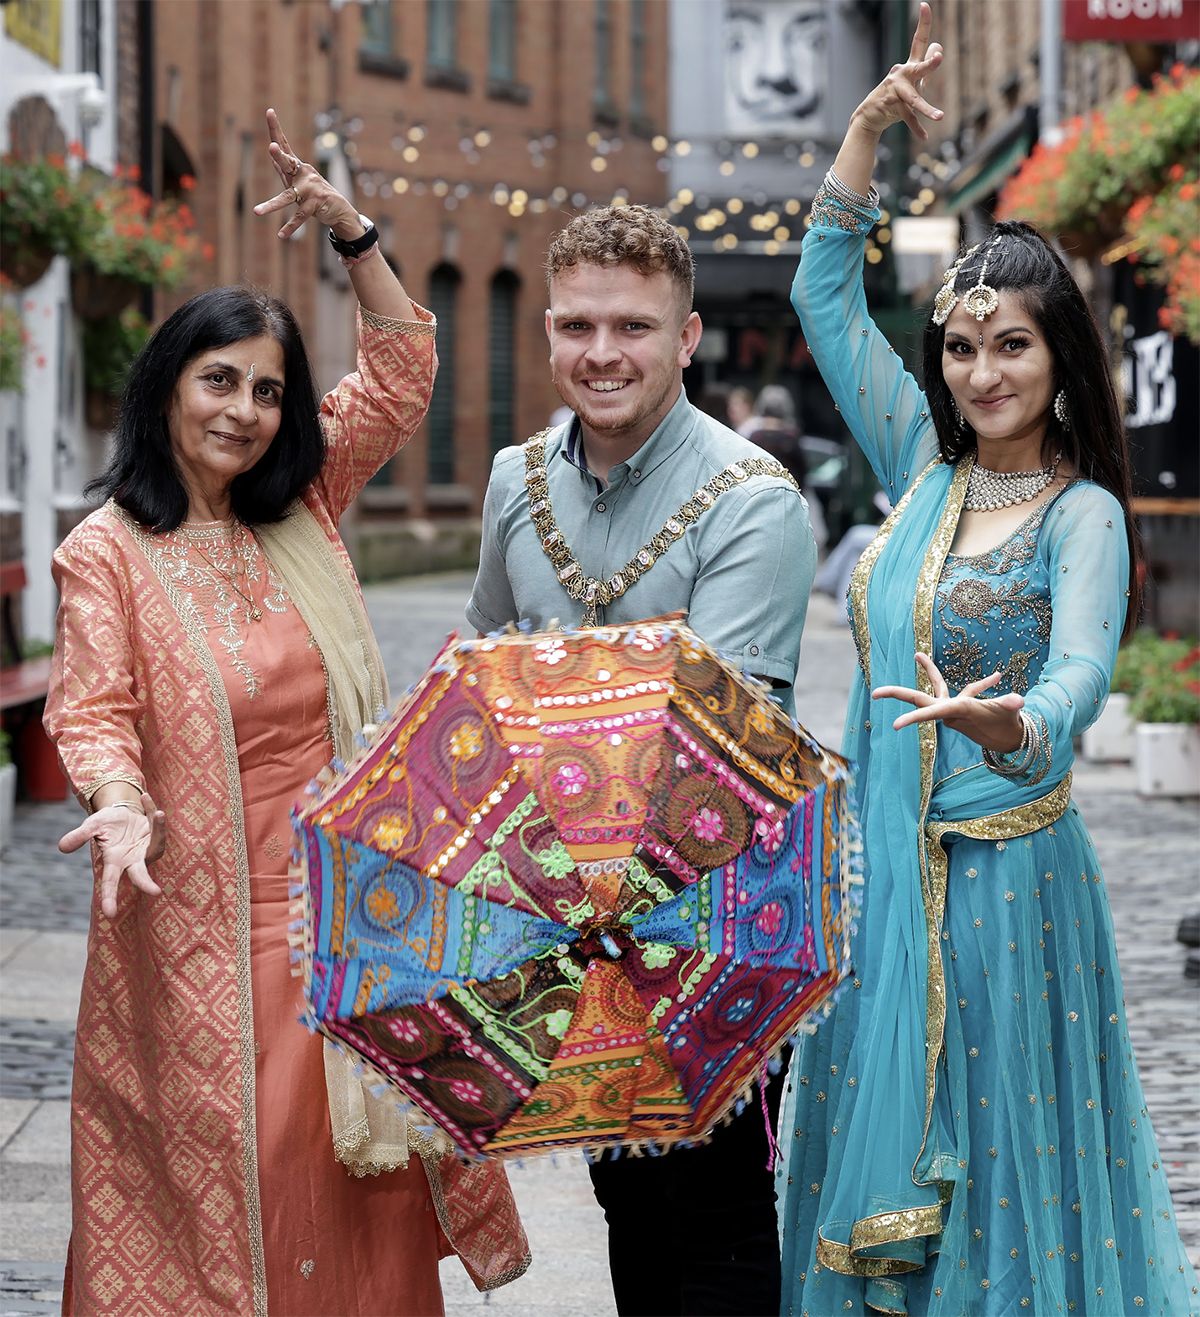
[{"x": 1131, "y": 20}]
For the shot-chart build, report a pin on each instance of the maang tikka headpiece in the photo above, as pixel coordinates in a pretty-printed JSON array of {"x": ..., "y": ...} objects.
[{"x": 980, "y": 300}]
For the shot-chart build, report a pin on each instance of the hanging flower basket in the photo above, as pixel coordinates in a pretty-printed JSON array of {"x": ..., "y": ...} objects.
[
  {"x": 97, "y": 296},
  {"x": 24, "y": 265}
]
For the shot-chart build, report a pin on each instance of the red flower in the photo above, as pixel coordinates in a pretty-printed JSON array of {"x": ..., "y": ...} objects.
[
  {"x": 76, "y": 151},
  {"x": 187, "y": 182}
]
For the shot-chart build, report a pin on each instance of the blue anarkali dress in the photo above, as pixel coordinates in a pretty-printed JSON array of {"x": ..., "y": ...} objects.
[{"x": 967, "y": 1132}]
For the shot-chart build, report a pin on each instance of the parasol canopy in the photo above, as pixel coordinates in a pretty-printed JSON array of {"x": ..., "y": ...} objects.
[{"x": 577, "y": 890}]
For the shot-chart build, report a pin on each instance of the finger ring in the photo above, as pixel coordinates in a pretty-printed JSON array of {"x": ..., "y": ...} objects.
[
  {"x": 295, "y": 191},
  {"x": 294, "y": 162}
]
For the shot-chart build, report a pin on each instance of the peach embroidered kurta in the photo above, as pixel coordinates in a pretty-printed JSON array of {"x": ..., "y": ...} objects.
[{"x": 203, "y": 1176}]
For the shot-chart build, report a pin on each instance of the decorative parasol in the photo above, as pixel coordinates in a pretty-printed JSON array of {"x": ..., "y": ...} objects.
[{"x": 577, "y": 890}]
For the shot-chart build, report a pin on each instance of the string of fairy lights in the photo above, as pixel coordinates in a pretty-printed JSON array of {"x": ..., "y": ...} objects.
[{"x": 773, "y": 221}]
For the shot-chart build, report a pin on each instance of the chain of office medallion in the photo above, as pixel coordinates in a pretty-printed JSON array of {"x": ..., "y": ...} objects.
[{"x": 590, "y": 590}]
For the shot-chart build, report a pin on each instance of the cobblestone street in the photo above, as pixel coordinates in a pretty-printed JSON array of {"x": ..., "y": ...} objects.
[{"x": 1148, "y": 849}]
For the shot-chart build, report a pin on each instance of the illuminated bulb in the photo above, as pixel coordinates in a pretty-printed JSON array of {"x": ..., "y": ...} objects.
[
  {"x": 686, "y": 196},
  {"x": 883, "y": 235},
  {"x": 806, "y": 159},
  {"x": 482, "y": 137},
  {"x": 683, "y": 148},
  {"x": 927, "y": 195},
  {"x": 727, "y": 167},
  {"x": 734, "y": 205},
  {"x": 440, "y": 187},
  {"x": 520, "y": 196},
  {"x": 416, "y": 133},
  {"x": 399, "y": 184},
  {"x": 917, "y": 207},
  {"x": 515, "y": 209},
  {"x": 659, "y": 143},
  {"x": 593, "y": 139},
  {"x": 874, "y": 256},
  {"x": 771, "y": 247},
  {"x": 411, "y": 154},
  {"x": 750, "y": 150},
  {"x": 599, "y": 164},
  {"x": 781, "y": 234},
  {"x": 792, "y": 206}
]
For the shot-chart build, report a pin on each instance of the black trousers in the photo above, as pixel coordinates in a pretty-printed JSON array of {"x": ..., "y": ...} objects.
[{"x": 693, "y": 1233}]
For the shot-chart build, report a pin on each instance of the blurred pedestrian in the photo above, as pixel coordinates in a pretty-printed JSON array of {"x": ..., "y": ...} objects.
[
  {"x": 660, "y": 509},
  {"x": 742, "y": 417},
  {"x": 213, "y": 650},
  {"x": 968, "y": 1132},
  {"x": 777, "y": 431}
]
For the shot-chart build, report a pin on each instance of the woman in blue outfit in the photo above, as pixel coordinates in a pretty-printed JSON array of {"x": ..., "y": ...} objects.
[{"x": 967, "y": 1133}]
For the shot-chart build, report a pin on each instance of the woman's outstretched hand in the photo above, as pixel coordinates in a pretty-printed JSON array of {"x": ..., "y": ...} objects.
[
  {"x": 900, "y": 95},
  {"x": 128, "y": 841},
  {"x": 307, "y": 189},
  {"x": 994, "y": 724}
]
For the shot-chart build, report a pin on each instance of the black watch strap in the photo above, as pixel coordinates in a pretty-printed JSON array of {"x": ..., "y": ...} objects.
[{"x": 355, "y": 246}]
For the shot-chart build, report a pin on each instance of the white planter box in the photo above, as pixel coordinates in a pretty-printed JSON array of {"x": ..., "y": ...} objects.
[
  {"x": 1110, "y": 738},
  {"x": 1167, "y": 759},
  {"x": 8, "y": 797}
]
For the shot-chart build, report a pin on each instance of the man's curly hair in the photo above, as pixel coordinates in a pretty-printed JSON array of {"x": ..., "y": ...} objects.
[{"x": 625, "y": 235}]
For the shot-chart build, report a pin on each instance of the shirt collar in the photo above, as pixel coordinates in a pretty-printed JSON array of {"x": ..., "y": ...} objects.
[{"x": 672, "y": 430}]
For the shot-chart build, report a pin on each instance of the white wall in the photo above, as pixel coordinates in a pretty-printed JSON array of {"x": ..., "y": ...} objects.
[{"x": 53, "y": 455}]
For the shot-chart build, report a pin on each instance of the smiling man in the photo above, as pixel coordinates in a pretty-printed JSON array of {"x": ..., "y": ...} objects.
[{"x": 642, "y": 505}]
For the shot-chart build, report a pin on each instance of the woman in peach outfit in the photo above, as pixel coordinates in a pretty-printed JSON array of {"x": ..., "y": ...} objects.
[{"x": 213, "y": 653}]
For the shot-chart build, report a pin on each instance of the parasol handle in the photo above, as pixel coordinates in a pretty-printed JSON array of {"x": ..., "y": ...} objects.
[{"x": 609, "y": 945}]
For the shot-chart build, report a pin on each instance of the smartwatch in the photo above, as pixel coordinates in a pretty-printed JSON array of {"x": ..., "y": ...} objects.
[{"x": 350, "y": 247}]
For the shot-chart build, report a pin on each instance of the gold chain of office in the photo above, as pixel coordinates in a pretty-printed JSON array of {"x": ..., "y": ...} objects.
[{"x": 592, "y": 592}]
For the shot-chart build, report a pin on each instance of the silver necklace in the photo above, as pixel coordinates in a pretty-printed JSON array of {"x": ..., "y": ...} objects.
[{"x": 989, "y": 490}]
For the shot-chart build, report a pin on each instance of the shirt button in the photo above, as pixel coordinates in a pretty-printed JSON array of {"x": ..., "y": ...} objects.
[
  {"x": 754, "y": 651},
  {"x": 637, "y": 475},
  {"x": 601, "y": 507}
]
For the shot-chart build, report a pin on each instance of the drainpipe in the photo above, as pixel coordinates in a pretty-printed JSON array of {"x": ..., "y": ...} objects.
[{"x": 1050, "y": 73}]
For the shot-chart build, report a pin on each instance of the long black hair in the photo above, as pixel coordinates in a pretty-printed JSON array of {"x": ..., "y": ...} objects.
[
  {"x": 1094, "y": 442},
  {"x": 142, "y": 474}
]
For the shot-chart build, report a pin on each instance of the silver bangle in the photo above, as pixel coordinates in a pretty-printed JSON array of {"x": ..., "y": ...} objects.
[
  {"x": 125, "y": 804},
  {"x": 1016, "y": 763},
  {"x": 848, "y": 196}
]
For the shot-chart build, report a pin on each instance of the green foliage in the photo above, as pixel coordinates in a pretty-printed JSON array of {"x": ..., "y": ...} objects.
[
  {"x": 109, "y": 347},
  {"x": 1169, "y": 685},
  {"x": 42, "y": 205},
  {"x": 12, "y": 346},
  {"x": 5, "y": 749},
  {"x": 1141, "y": 656}
]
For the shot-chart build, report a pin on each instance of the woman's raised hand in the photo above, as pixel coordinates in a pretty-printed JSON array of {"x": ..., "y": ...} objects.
[
  {"x": 994, "y": 724},
  {"x": 305, "y": 188},
  {"x": 899, "y": 96},
  {"x": 128, "y": 841}
]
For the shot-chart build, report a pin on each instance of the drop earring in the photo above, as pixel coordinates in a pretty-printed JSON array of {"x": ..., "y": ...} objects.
[
  {"x": 1062, "y": 413},
  {"x": 960, "y": 421}
]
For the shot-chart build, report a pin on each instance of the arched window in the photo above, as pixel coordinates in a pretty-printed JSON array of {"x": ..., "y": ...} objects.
[
  {"x": 443, "y": 299},
  {"x": 502, "y": 359}
]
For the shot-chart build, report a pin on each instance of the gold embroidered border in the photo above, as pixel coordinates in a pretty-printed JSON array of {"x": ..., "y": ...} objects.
[
  {"x": 860, "y": 578},
  {"x": 592, "y": 592},
  {"x": 89, "y": 789},
  {"x": 196, "y": 638},
  {"x": 414, "y": 328},
  {"x": 933, "y": 897},
  {"x": 873, "y": 1232}
]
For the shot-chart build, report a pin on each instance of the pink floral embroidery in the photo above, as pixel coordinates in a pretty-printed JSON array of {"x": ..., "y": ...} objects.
[
  {"x": 405, "y": 1030},
  {"x": 770, "y": 835},
  {"x": 466, "y": 1091},
  {"x": 570, "y": 780},
  {"x": 708, "y": 825},
  {"x": 769, "y": 919}
]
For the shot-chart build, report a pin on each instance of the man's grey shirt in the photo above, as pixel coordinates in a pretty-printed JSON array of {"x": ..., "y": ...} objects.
[{"x": 742, "y": 573}]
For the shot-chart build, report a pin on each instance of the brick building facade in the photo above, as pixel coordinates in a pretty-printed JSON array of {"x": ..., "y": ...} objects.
[{"x": 469, "y": 130}]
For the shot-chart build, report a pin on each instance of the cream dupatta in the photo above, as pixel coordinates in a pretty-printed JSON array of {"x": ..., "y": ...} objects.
[{"x": 370, "y": 1134}]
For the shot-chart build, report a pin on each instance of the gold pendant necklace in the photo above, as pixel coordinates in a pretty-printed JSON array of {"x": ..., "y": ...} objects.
[{"x": 591, "y": 591}]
